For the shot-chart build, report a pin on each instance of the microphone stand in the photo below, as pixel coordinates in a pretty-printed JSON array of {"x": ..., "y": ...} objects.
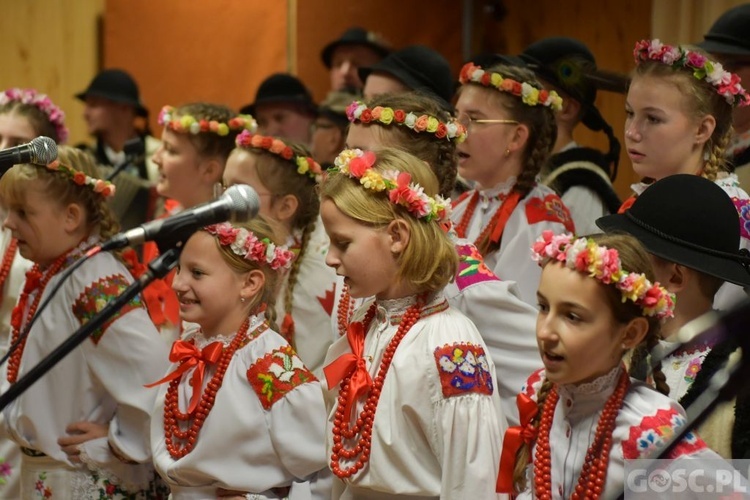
[{"x": 157, "y": 268}]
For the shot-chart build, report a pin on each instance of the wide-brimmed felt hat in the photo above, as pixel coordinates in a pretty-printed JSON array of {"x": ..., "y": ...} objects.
[
  {"x": 688, "y": 220},
  {"x": 355, "y": 36},
  {"x": 115, "y": 85},
  {"x": 282, "y": 88},
  {"x": 419, "y": 68},
  {"x": 730, "y": 33}
]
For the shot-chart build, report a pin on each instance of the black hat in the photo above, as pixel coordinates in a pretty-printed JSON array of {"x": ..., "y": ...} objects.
[
  {"x": 355, "y": 36},
  {"x": 688, "y": 220},
  {"x": 419, "y": 68},
  {"x": 116, "y": 85},
  {"x": 729, "y": 34},
  {"x": 282, "y": 88}
]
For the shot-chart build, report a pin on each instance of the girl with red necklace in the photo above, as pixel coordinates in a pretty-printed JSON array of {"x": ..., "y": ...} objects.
[
  {"x": 492, "y": 304},
  {"x": 285, "y": 178},
  {"x": 596, "y": 302},
  {"x": 80, "y": 427},
  {"x": 24, "y": 115},
  {"x": 238, "y": 415},
  {"x": 417, "y": 412},
  {"x": 511, "y": 132}
]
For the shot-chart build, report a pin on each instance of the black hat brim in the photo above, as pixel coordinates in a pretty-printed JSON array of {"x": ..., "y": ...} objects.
[
  {"x": 713, "y": 265},
  {"x": 405, "y": 77},
  {"x": 717, "y": 47},
  {"x": 305, "y": 104},
  {"x": 140, "y": 109},
  {"x": 327, "y": 54}
]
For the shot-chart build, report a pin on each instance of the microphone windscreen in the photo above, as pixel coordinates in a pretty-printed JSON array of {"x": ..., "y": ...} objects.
[
  {"x": 245, "y": 202},
  {"x": 43, "y": 150}
]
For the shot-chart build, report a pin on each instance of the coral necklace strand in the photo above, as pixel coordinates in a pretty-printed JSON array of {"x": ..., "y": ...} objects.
[
  {"x": 361, "y": 432},
  {"x": 594, "y": 471},
  {"x": 172, "y": 413},
  {"x": 497, "y": 223},
  {"x": 36, "y": 279},
  {"x": 345, "y": 310},
  {"x": 8, "y": 258}
]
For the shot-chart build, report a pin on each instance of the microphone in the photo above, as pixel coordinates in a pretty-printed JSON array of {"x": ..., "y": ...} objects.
[
  {"x": 237, "y": 204},
  {"x": 41, "y": 151}
]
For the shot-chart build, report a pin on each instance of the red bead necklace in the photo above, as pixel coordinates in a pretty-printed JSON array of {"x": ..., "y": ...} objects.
[
  {"x": 8, "y": 257},
  {"x": 360, "y": 434},
  {"x": 36, "y": 279},
  {"x": 594, "y": 471},
  {"x": 172, "y": 414},
  {"x": 496, "y": 225},
  {"x": 345, "y": 310}
]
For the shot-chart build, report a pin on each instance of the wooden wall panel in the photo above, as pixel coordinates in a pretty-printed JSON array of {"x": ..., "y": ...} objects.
[
  {"x": 186, "y": 51},
  {"x": 609, "y": 28},
  {"x": 436, "y": 24},
  {"x": 52, "y": 46}
]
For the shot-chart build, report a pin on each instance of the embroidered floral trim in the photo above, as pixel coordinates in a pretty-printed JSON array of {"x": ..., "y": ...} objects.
[
  {"x": 549, "y": 209},
  {"x": 654, "y": 431},
  {"x": 40, "y": 488},
  {"x": 358, "y": 164},
  {"x": 726, "y": 84},
  {"x": 463, "y": 369},
  {"x": 6, "y": 469},
  {"x": 533, "y": 383},
  {"x": 471, "y": 267},
  {"x": 55, "y": 115},
  {"x": 245, "y": 244},
  {"x": 96, "y": 296},
  {"x": 192, "y": 125},
  {"x": 530, "y": 95},
  {"x": 276, "y": 374},
  {"x": 603, "y": 263},
  {"x": 358, "y": 111},
  {"x": 304, "y": 164},
  {"x": 100, "y": 186}
]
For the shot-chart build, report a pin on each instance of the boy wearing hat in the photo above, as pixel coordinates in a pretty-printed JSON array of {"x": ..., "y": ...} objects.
[
  {"x": 112, "y": 104},
  {"x": 415, "y": 67},
  {"x": 729, "y": 41},
  {"x": 284, "y": 108},
  {"x": 694, "y": 251},
  {"x": 355, "y": 48},
  {"x": 581, "y": 175}
]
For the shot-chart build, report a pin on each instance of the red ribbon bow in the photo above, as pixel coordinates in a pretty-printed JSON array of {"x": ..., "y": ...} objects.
[
  {"x": 351, "y": 364},
  {"x": 514, "y": 437},
  {"x": 189, "y": 356}
]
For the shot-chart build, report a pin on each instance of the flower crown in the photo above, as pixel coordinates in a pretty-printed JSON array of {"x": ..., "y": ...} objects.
[
  {"x": 726, "y": 84},
  {"x": 358, "y": 164},
  {"x": 187, "y": 123},
  {"x": 530, "y": 95},
  {"x": 245, "y": 244},
  {"x": 41, "y": 101},
  {"x": 99, "y": 186},
  {"x": 451, "y": 130},
  {"x": 305, "y": 165},
  {"x": 603, "y": 263}
]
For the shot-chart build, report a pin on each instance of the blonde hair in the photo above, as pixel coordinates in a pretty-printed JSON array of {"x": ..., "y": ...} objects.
[
  {"x": 263, "y": 230},
  {"x": 280, "y": 177},
  {"x": 440, "y": 154},
  {"x": 429, "y": 261},
  {"x": 703, "y": 100},
  {"x": 634, "y": 258},
  {"x": 59, "y": 187}
]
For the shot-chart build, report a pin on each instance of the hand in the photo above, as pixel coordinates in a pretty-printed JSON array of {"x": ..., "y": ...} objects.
[
  {"x": 230, "y": 494},
  {"x": 79, "y": 433}
]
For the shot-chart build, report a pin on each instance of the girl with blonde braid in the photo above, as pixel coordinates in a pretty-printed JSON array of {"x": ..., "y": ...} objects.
[
  {"x": 80, "y": 427},
  {"x": 511, "y": 124},
  {"x": 597, "y": 301},
  {"x": 679, "y": 121},
  {"x": 285, "y": 177},
  {"x": 24, "y": 115}
]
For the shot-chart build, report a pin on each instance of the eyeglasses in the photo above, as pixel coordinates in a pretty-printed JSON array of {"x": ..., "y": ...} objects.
[{"x": 468, "y": 122}]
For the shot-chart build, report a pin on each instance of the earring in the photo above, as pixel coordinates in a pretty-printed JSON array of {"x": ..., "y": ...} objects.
[
  {"x": 242, "y": 299},
  {"x": 507, "y": 152}
]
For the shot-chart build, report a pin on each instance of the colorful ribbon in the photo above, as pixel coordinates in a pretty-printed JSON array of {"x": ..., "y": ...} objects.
[
  {"x": 190, "y": 356},
  {"x": 351, "y": 364},
  {"x": 515, "y": 437}
]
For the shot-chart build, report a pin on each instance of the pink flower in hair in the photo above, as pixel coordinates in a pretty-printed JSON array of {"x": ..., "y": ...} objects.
[
  {"x": 695, "y": 59},
  {"x": 361, "y": 164}
]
